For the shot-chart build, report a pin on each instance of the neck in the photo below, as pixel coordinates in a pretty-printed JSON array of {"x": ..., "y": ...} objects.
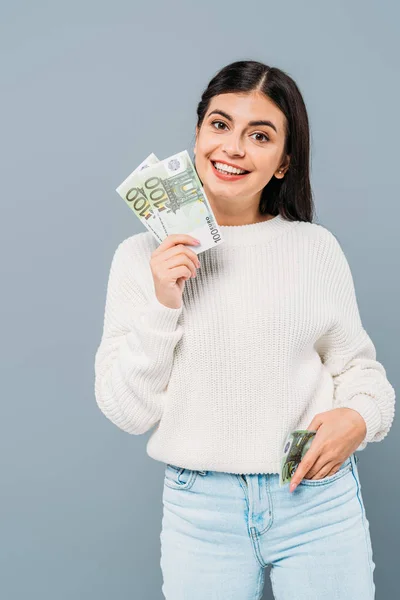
[{"x": 236, "y": 211}]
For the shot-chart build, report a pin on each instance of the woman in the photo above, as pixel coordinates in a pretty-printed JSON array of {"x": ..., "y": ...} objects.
[{"x": 226, "y": 360}]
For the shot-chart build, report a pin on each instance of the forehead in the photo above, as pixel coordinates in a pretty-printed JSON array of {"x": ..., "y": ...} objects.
[{"x": 248, "y": 107}]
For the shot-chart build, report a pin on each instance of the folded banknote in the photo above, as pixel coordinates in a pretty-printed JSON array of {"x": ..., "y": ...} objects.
[{"x": 296, "y": 445}]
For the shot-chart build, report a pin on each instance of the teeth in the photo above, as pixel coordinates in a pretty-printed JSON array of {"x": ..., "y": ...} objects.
[{"x": 228, "y": 168}]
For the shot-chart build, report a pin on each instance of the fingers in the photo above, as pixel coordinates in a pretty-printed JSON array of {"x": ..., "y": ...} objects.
[
  {"x": 173, "y": 239},
  {"x": 174, "y": 259},
  {"x": 179, "y": 250},
  {"x": 183, "y": 259},
  {"x": 322, "y": 469},
  {"x": 171, "y": 264},
  {"x": 307, "y": 463},
  {"x": 319, "y": 469},
  {"x": 173, "y": 246},
  {"x": 333, "y": 471},
  {"x": 181, "y": 272}
]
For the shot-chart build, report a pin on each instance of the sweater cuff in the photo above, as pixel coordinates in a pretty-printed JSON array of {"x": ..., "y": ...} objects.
[
  {"x": 156, "y": 315},
  {"x": 369, "y": 410}
]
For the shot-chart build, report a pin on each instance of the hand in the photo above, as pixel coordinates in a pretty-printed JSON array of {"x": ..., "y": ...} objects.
[
  {"x": 340, "y": 431},
  {"x": 171, "y": 264}
]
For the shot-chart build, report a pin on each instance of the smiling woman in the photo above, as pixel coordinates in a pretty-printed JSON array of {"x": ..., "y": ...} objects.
[
  {"x": 264, "y": 339},
  {"x": 253, "y": 160}
]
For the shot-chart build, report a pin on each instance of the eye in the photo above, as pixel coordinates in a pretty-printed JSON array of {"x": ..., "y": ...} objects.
[
  {"x": 262, "y": 134},
  {"x": 213, "y": 123}
]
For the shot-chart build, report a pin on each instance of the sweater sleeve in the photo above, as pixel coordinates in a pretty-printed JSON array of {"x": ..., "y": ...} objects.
[
  {"x": 134, "y": 359},
  {"x": 349, "y": 354}
]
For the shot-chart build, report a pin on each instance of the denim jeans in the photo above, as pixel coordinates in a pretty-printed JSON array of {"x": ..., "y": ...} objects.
[{"x": 220, "y": 530}]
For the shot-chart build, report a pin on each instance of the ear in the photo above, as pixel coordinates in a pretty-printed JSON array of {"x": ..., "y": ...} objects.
[{"x": 283, "y": 168}]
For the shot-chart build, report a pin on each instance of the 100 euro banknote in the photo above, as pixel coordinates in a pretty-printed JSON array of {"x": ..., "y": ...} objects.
[
  {"x": 177, "y": 197},
  {"x": 137, "y": 200}
]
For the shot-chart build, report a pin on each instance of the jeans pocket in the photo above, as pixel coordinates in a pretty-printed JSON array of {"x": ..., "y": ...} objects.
[
  {"x": 179, "y": 478},
  {"x": 346, "y": 467}
]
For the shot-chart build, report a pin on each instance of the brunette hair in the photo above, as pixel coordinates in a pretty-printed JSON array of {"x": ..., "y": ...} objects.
[{"x": 290, "y": 196}]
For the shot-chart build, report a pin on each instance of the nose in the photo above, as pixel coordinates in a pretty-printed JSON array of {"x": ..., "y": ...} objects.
[{"x": 233, "y": 146}]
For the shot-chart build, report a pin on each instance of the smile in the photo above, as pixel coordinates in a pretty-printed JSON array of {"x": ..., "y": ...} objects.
[{"x": 227, "y": 172}]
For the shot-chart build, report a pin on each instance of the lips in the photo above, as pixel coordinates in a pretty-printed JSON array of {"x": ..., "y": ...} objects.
[
  {"x": 230, "y": 165},
  {"x": 227, "y": 176}
]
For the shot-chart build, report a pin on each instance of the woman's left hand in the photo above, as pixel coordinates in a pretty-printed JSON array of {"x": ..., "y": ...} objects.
[{"x": 340, "y": 431}]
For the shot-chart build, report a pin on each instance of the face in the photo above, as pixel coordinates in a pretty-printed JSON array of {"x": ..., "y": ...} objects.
[{"x": 228, "y": 136}]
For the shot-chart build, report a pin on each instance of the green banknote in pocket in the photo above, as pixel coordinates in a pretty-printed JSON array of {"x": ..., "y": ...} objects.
[{"x": 296, "y": 445}]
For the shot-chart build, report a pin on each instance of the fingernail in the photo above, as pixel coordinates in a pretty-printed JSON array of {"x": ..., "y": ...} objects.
[{"x": 292, "y": 487}]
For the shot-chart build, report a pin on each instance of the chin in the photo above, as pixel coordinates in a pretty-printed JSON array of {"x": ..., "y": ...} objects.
[{"x": 222, "y": 193}]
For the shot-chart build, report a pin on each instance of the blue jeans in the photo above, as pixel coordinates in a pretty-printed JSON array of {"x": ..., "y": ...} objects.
[{"x": 220, "y": 530}]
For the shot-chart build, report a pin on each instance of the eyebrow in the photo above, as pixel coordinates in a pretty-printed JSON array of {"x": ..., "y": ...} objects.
[{"x": 251, "y": 123}]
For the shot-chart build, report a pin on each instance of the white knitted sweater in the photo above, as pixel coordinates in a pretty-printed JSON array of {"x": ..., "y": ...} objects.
[{"x": 268, "y": 335}]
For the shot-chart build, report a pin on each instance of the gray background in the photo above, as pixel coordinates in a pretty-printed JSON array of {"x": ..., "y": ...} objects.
[{"x": 88, "y": 89}]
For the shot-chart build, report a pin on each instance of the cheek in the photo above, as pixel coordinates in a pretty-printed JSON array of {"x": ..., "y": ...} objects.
[
  {"x": 200, "y": 163},
  {"x": 203, "y": 152},
  {"x": 201, "y": 167},
  {"x": 262, "y": 174},
  {"x": 266, "y": 163}
]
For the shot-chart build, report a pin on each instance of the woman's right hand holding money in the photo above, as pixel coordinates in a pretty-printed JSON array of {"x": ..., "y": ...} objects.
[{"x": 171, "y": 264}]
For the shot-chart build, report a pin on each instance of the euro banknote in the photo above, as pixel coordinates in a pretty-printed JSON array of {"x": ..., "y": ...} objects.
[
  {"x": 296, "y": 445},
  {"x": 177, "y": 197},
  {"x": 137, "y": 200}
]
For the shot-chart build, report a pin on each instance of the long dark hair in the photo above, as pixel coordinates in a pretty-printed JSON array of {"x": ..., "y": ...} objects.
[{"x": 291, "y": 196}]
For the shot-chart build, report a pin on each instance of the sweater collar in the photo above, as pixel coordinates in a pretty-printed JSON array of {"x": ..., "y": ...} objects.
[{"x": 254, "y": 233}]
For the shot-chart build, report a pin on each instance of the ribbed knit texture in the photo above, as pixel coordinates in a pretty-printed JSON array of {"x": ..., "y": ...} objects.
[{"x": 268, "y": 335}]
